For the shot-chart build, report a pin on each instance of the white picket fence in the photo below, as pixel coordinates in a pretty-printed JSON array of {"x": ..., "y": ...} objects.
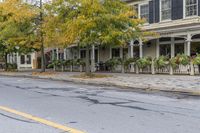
[{"x": 181, "y": 69}]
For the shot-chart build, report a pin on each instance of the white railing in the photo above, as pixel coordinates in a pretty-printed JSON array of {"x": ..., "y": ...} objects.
[
  {"x": 164, "y": 70},
  {"x": 181, "y": 69}
]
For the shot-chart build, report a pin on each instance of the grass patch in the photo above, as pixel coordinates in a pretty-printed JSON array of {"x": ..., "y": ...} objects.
[{"x": 85, "y": 76}]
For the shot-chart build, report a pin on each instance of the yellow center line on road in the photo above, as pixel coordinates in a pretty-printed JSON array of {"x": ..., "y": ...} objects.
[{"x": 40, "y": 120}]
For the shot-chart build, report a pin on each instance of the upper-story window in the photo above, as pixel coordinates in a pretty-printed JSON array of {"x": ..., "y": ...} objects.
[
  {"x": 165, "y": 9},
  {"x": 191, "y": 8},
  {"x": 144, "y": 12}
]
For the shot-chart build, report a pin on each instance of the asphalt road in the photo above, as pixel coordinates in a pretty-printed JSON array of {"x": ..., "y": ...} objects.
[{"x": 93, "y": 109}]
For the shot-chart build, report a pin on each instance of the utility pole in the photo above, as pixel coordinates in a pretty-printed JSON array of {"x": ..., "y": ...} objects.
[{"x": 43, "y": 64}]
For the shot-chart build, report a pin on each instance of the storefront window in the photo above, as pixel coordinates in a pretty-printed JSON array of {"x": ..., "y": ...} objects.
[
  {"x": 179, "y": 48},
  {"x": 165, "y": 50}
]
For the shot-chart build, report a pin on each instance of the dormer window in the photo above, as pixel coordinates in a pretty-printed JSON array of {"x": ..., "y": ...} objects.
[
  {"x": 144, "y": 11},
  {"x": 165, "y": 10},
  {"x": 191, "y": 8}
]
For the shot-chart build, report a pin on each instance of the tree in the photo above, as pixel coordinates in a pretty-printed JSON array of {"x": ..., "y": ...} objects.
[
  {"x": 92, "y": 22},
  {"x": 17, "y": 28}
]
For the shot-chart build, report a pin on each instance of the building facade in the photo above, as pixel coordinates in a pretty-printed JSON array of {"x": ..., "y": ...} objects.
[{"x": 176, "y": 21}]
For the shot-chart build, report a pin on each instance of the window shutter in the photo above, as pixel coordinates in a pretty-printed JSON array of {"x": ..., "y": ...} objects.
[
  {"x": 199, "y": 7},
  {"x": 151, "y": 14},
  {"x": 177, "y": 9},
  {"x": 157, "y": 11}
]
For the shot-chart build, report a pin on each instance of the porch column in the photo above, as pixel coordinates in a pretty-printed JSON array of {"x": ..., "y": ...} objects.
[
  {"x": 131, "y": 56},
  {"x": 157, "y": 48},
  {"x": 131, "y": 49},
  {"x": 65, "y": 54},
  {"x": 98, "y": 54},
  {"x": 110, "y": 52},
  {"x": 57, "y": 52},
  {"x": 188, "y": 44},
  {"x": 93, "y": 59},
  {"x": 141, "y": 48},
  {"x": 185, "y": 48},
  {"x": 18, "y": 61},
  {"x": 172, "y": 47},
  {"x": 52, "y": 55},
  {"x": 121, "y": 52}
]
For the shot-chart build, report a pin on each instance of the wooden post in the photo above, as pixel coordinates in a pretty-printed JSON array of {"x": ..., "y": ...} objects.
[
  {"x": 137, "y": 69},
  {"x": 171, "y": 72},
  {"x": 192, "y": 68},
  {"x": 152, "y": 67}
]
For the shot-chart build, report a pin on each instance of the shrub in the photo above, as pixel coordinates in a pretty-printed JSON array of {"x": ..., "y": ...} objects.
[
  {"x": 112, "y": 63},
  {"x": 173, "y": 62},
  {"x": 11, "y": 66},
  {"x": 143, "y": 62},
  {"x": 196, "y": 60},
  {"x": 128, "y": 61},
  {"x": 182, "y": 59},
  {"x": 161, "y": 62},
  {"x": 50, "y": 65},
  {"x": 69, "y": 62},
  {"x": 55, "y": 63},
  {"x": 79, "y": 62}
]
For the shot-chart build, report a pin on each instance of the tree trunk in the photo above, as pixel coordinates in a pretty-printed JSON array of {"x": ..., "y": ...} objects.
[
  {"x": 88, "y": 71},
  {"x": 54, "y": 68},
  {"x": 123, "y": 67},
  {"x": 62, "y": 68},
  {"x": 43, "y": 64},
  {"x": 6, "y": 62}
]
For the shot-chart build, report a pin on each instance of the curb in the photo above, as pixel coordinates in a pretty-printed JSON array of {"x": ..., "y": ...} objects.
[{"x": 133, "y": 88}]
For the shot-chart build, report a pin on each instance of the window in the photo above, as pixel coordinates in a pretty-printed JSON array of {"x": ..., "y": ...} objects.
[
  {"x": 144, "y": 12},
  {"x": 115, "y": 52},
  {"x": 179, "y": 48},
  {"x": 22, "y": 59},
  {"x": 165, "y": 50},
  {"x": 165, "y": 9},
  {"x": 190, "y": 8},
  {"x": 28, "y": 59},
  {"x": 83, "y": 54}
]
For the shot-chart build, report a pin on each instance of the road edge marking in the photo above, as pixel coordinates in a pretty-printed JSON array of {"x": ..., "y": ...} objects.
[{"x": 40, "y": 120}]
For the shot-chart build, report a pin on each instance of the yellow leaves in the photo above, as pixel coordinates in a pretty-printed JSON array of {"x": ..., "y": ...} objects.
[
  {"x": 92, "y": 21},
  {"x": 17, "y": 23},
  {"x": 16, "y": 10}
]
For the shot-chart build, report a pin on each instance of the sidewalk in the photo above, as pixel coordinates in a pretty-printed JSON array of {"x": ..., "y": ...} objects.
[{"x": 166, "y": 83}]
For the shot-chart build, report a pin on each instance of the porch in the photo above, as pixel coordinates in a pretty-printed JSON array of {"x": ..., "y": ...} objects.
[{"x": 169, "y": 46}]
